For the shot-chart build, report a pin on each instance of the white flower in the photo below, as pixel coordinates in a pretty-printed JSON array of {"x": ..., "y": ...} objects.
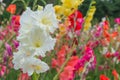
[
  {"x": 19, "y": 58},
  {"x": 29, "y": 64},
  {"x": 34, "y": 65},
  {"x": 104, "y": 51},
  {"x": 39, "y": 41},
  {"x": 47, "y": 18},
  {"x": 26, "y": 21}
]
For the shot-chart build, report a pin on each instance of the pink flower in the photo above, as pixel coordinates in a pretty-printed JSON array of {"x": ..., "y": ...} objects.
[
  {"x": 8, "y": 49},
  {"x": 73, "y": 61},
  {"x": 5, "y": 56},
  {"x": 2, "y": 70},
  {"x": 117, "y": 20},
  {"x": 67, "y": 74},
  {"x": 3, "y": 33},
  {"x": 88, "y": 54},
  {"x": 16, "y": 43},
  {"x": 69, "y": 71},
  {"x": 61, "y": 56},
  {"x": 15, "y": 24},
  {"x": 23, "y": 76},
  {"x": 54, "y": 63}
]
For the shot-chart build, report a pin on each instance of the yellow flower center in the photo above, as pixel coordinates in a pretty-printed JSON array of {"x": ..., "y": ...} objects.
[
  {"x": 37, "y": 44},
  {"x": 36, "y": 67},
  {"x": 46, "y": 21}
]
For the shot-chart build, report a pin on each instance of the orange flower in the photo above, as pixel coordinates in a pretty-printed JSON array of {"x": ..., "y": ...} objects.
[
  {"x": 106, "y": 25},
  {"x": 115, "y": 74},
  {"x": 81, "y": 69},
  {"x": 114, "y": 34},
  {"x": 11, "y": 8}
]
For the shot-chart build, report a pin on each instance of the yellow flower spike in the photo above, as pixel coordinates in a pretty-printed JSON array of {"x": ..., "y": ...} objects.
[
  {"x": 57, "y": 9},
  {"x": 89, "y": 16},
  {"x": 67, "y": 7},
  {"x": 62, "y": 29},
  {"x": 67, "y": 12},
  {"x": 87, "y": 26}
]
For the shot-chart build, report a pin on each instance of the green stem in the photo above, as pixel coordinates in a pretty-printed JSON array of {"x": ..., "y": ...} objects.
[
  {"x": 24, "y": 3},
  {"x": 35, "y": 76},
  {"x": 64, "y": 64},
  {"x": 34, "y": 4},
  {"x": 2, "y": 46},
  {"x": 43, "y": 1}
]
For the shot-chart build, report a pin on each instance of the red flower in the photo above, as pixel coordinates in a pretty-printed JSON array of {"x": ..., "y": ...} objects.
[
  {"x": 115, "y": 74},
  {"x": 67, "y": 74},
  {"x": 103, "y": 77},
  {"x": 76, "y": 20},
  {"x": 11, "y": 8},
  {"x": 2, "y": 70},
  {"x": 15, "y": 23}
]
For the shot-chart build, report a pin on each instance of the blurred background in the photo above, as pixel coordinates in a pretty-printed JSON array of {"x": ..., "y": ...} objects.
[{"x": 109, "y": 8}]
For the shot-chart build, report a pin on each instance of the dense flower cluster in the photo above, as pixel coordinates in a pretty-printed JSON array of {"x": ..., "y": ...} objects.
[
  {"x": 57, "y": 42},
  {"x": 35, "y": 40}
]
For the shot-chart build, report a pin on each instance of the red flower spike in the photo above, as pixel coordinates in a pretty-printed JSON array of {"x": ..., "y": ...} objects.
[
  {"x": 76, "y": 18},
  {"x": 115, "y": 74},
  {"x": 103, "y": 77}
]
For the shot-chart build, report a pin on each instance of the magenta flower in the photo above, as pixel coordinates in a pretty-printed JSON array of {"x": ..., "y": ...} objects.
[
  {"x": 16, "y": 43},
  {"x": 8, "y": 49},
  {"x": 117, "y": 20},
  {"x": 2, "y": 70},
  {"x": 87, "y": 56},
  {"x": 15, "y": 24}
]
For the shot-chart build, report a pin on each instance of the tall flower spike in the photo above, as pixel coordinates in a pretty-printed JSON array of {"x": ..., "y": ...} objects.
[{"x": 89, "y": 16}]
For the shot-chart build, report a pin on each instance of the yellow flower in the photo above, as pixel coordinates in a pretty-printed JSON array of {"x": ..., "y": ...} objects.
[
  {"x": 63, "y": 27},
  {"x": 87, "y": 26},
  {"x": 89, "y": 16},
  {"x": 67, "y": 7},
  {"x": 71, "y": 3},
  {"x": 62, "y": 11}
]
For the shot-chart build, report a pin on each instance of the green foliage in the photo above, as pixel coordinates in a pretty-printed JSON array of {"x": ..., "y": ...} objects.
[
  {"x": 104, "y": 8},
  {"x": 13, "y": 75}
]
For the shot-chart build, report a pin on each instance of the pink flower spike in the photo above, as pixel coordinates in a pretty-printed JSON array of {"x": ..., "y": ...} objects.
[
  {"x": 8, "y": 49},
  {"x": 16, "y": 43},
  {"x": 54, "y": 63},
  {"x": 67, "y": 74},
  {"x": 2, "y": 70}
]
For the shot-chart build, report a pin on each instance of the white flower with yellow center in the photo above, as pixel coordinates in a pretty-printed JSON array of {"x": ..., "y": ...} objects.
[
  {"x": 38, "y": 41},
  {"x": 47, "y": 18},
  {"x": 29, "y": 64},
  {"x": 34, "y": 65}
]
